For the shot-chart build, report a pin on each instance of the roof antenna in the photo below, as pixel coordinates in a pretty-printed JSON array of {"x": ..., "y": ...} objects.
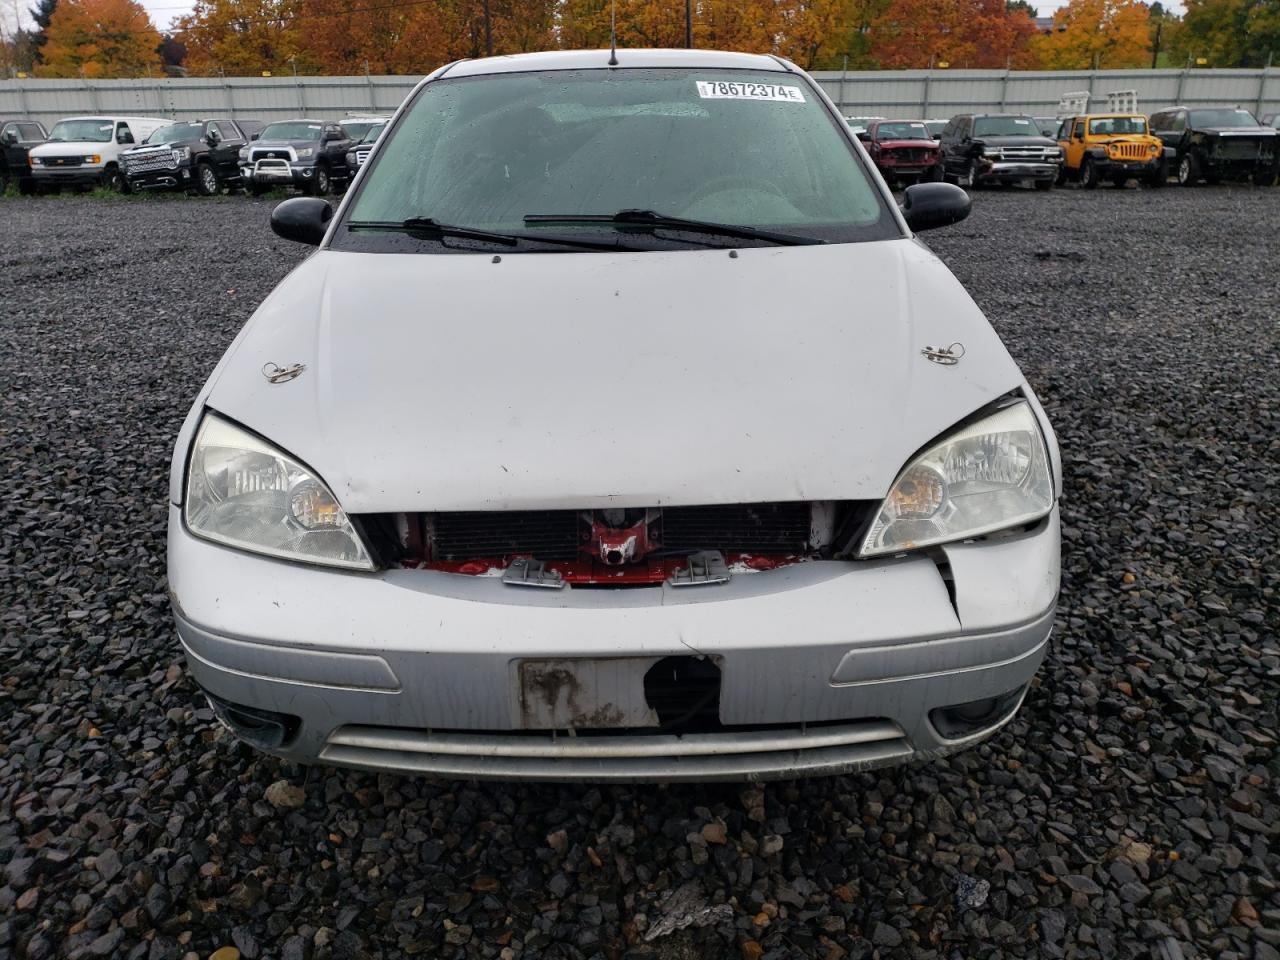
[{"x": 613, "y": 33}]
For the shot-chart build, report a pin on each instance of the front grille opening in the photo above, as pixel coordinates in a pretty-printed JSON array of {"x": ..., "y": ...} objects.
[
  {"x": 685, "y": 694},
  {"x": 614, "y": 547}
]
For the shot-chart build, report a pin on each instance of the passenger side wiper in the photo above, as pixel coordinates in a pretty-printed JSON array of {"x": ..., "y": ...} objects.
[
  {"x": 655, "y": 220},
  {"x": 429, "y": 229}
]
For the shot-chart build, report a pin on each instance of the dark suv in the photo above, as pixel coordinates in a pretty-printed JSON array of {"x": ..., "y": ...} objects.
[
  {"x": 310, "y": 154},
  {"x": 1219, "y": 143},
  {"x": 196, "y": 155},
  {"x": 998, "y": 148},
  {"x": 17, "y": 137}
]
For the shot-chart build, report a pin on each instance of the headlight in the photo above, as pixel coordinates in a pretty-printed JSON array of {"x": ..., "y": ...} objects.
[
  {"x": 243, "y": 492},
  {"x": 989, "y": 475},
  {"x": 34, "y": 161},
  {"x": 181, "y": 154},
  {"x": 244, "y": 154},
  {"x": 305, "y": 152},
  {"x": 351, "y": 158},
  {"x": 93, "y": 158}
]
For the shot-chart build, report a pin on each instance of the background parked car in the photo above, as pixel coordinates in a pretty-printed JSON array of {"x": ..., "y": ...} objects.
[
  {"x": 1218, "y": 144},
  {"x": 935, "y": 127},
  {"x": 998, "y": 148},
  {"x": 197, "y": 155},
  {"x": 306, "y": 153},
  {"x": 85, "y": 151},
  {"x": 859, "y": 124},
  {"x": 358, "y": 154},
  {"x": 17, "y": 138},
  {"x": 903, "y": 151},
  {"x": 1112, "y": 147}
]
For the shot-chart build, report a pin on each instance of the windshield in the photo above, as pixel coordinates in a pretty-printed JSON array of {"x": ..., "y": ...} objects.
[
  {"x": 1222, "y": 118},
  {"x": 292, "y": 130},
  {"x": 902, "y": 131},
  {"x": 935, "y": 127},
  {"x": 725, "y": 146},
  {"x": 1005, "y": 127},
  {"x": 356, "y": 129},
  {"x": 374, "y": 133},
  {"x": 175, "y": 132},
  {"x": 82, "y": 131},
  {"x": 1116, "y": 126}
]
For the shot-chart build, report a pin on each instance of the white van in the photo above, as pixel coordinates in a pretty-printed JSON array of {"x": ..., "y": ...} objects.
[{"x": 83, "y": 151}]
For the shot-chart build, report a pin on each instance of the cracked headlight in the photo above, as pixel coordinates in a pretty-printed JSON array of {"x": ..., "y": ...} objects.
[
  {"x": 245, "y": 493},
  {"x": 988, "y": 475}
]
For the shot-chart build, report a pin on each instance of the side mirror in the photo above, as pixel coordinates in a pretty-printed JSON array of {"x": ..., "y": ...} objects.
[
  {"x": 926, "y": 206},
  {"x": 212, "y": 139},
  {"x": 864, "y": 136},
  {"x": 304, "y": 219},
  {"x": 255, "y": 136},
  {"x": 10, "y": 137}
]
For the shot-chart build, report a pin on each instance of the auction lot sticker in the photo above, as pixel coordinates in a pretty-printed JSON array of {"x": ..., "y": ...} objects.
[{"x": 733, "y": 90}]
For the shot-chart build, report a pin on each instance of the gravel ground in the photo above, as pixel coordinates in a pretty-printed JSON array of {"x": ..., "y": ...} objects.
[{"x": 1130, "y": 810}]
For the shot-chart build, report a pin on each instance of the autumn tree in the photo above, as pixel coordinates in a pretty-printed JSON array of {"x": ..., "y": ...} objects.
[
  {"x": 100, "y": 38},
  {"x": 964, "y": 33},
  {"x": 239, "y": 37},
  {"x": 1097, "y": 34},
  {"x": 1230, "y": 33}
]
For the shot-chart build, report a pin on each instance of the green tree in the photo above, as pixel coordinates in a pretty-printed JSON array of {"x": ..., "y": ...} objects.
[{"x": 1230, "y": 33}]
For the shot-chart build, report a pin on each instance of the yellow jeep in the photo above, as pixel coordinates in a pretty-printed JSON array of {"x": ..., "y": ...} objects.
[{"x": 1112, "y": 146}]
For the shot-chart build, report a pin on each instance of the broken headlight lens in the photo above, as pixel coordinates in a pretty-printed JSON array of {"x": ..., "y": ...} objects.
[
  {"x": 244, "y": 493},
  {"x": 989, "y": 475}
]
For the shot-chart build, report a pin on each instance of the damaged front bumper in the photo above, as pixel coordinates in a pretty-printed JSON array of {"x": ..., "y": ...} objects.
[{"x": 817, "y": 667}]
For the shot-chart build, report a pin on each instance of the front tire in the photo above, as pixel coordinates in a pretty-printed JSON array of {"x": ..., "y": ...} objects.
[
  {"x": 321, "y": 186},
  {"x": 1188, "y": 171},
  {"x": 114, "y": 181},
  {"x": 206, "y": 180},
  {"x": 1160, "y": 177},
  {"x": 1089, "y": 174},
  {"x": 968, "y": 177}
]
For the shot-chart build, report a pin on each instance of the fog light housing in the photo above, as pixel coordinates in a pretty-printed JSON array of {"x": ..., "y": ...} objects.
[
  {"x": 264, "y": 729},
  {"x": 961, "y": 720}
]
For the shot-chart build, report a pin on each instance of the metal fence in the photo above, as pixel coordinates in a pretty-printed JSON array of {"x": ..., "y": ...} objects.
[{"x": 890, "y": 93}]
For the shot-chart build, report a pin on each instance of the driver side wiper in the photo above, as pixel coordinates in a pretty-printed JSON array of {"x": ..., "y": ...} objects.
[
  {"x": 655, "y": 220},
  {"x": 429, "y": 229}
]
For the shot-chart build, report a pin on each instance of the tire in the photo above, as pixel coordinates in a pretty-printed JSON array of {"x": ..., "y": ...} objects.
[
  {"x": 1188, "y": 171},
  {"x": 1063, "y": 175},
  {"x": 1044, "y": 186},
  {"x": 27, "y": 188},
  {"x": 321, "y": 185},
  {"x": 1160, "y": 177},
  {"x": 206, "y": 180},
  {"x": 1089, "y": 174},
  {"x": 935, "y": 174},
  {"x": 113, "y": 180},
  {"x": 968, "y": 177}
]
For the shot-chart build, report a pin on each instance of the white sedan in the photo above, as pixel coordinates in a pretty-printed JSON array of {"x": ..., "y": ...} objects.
[{"x": 619, "y": 428}]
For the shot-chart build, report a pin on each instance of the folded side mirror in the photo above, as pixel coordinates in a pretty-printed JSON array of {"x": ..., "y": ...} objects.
[
  {"x": 303, "y": 219},
  {"x": 926, "y": 206}
]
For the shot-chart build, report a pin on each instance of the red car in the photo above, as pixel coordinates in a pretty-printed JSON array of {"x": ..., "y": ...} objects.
[{"x": 903, "y": 150}]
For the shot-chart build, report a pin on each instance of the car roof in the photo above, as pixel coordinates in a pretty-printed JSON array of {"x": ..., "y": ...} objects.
[
  {"x": 115, "y": 117},
  {"x": 588, "y": 59}
]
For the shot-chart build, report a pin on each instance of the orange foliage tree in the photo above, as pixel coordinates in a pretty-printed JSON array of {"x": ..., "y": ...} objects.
[
  {"x": 1097, "y": 34},
  {"x": 99, "y": 39},
  {"x": 963, "y": 33},
  {"x": 240, "y": 37}
]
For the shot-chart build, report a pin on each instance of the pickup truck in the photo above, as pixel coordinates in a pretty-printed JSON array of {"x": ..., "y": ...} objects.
[
  {"x": 305, "y": 153},
  {"x": 17, "y": 137},
  {"x": 1219, "y": 143},
  {"x": 998, "y": 148},
  {"x": 199, "y": 156}
]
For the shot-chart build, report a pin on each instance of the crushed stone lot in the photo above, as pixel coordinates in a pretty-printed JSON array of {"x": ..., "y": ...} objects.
[{"x": 1130, "y": 810}]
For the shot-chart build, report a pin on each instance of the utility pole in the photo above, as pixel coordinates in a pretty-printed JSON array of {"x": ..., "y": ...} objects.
[
  {"x": 1155, "y": 46},
  {"x": 688, "y": 24}
]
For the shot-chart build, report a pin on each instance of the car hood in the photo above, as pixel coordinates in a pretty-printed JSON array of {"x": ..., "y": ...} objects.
[
  {"x": 1237, "y": 131},
  {"x": 1017, "y": 141},
  {"x": 460, "y": 382},
  {"x": 281, "y": 144},
  {"x": 909, "y": 144},
  {"x": 71, "y": 148}
]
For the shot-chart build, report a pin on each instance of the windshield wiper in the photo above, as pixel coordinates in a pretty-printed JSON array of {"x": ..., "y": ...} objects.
[
  {"x": 431, "y": 230},
  {"x": 655, "y": 220}
]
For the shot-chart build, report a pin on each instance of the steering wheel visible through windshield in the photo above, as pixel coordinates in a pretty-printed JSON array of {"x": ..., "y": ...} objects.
[{"x": 756, "y": 150}]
